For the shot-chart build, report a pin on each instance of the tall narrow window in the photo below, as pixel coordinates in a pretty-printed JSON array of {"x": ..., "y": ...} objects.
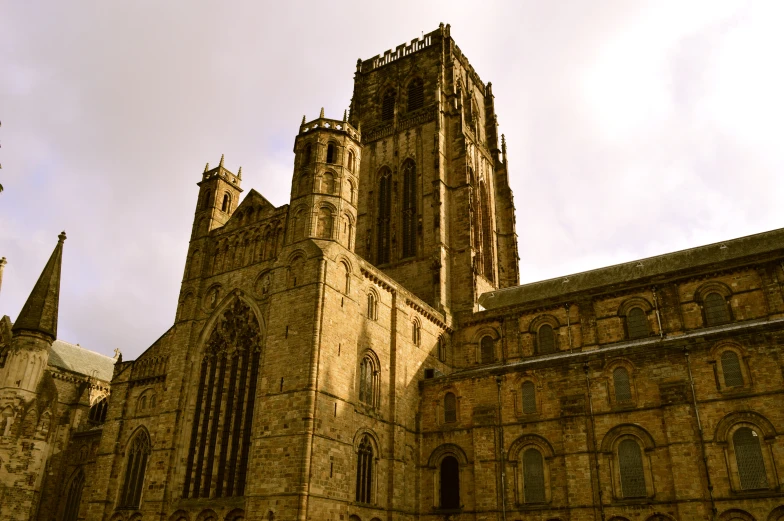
[
  {"x": 206, "y": 203},
  {"x": 350, "y": 162},
  {"x": 74, "y": 498},
  {"x": 545, "y": 339},
  {"x": 748, "y": 455},
  {"x": 324, "y": 226},
  {"x": 365, "y": 471},
  {"x": 450, "y": 483},
  {"x": 450, "y": 408},
  {"x": 631, "y": 469},
  {"x": 330, "y": 153},
  {"x": 367, "y": 381},
  {"x": 384, "y": 216},
  {"x": 416, "y": 94},
  {"x": 388, "y": 106},
  {"x": 637, "y": 323},
  {"x": 623, "y": 390},
  {"x": 529, "y": 397},
  {"x": 730, "y": 367},
  {"x": 487, "y": 350},
  {"x": 416, "y": 332},
  {"x": 308, "y": 154},
  {"x": 220, "y": 432},
  {"x": 533, "y": 476},
  {"x": 715, "y": 309},
  {"x": 372, "y": 306},
  {"x": 136, "y": 465},
  {"x": 226, "y": 206},
  {"x": 409, "y": 208},
  {"x": 487, "y": 234},
  {"x": 97, "y": 414},
  {"x": 441, "y": 349}
]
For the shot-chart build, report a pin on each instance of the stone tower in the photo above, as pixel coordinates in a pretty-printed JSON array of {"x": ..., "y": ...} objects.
[
  {"x": 325, "y": 183},
  {"x": 28, "y": 396},
  {"x": 436, "y": 211}
]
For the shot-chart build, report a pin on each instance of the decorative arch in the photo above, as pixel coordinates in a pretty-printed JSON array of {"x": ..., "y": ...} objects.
[
  {"x": 777, "y": 514},
  {"x": 180, "y": 515},
  {"x": 231, "y": 351},
  {"x": 659, "y": 516},
  {"x": 530, "y": 439},
  {"x": 369, "y": 378},
  {"x": 627, "y": 429},
  {"x": 621, "y": 389},
  {"x": 711, "y": 287},
  {"x": 736, "y": 514},
  {"x": 444, "y": 450},
  {"x": 364, "y": 431},
  {"x": 207, "y": 515},
  {"x": 137, "y": 452},
  {"x": 235, "y": 515},
  {"x": 748, "y": 417},
  {"x": 540, "y": 320},
  {"x": 530, "y": 457},
  {"x": 634, "y": 302}
]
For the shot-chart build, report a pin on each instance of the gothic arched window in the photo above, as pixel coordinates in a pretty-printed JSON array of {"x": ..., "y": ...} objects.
[
  {"x": 384, "y": 216},
  {"x": 730, "y": 367},
  {"x": 631, "y": 469},
  {"x": 487, "y": 234},
  {"x": 324, "y": 225},
  {"x": 226, "y": 206},
  {"x": 206, "y": 203},
  {"x": 416, "y": 332},
  {"x": 487, "y": 347},
  {"x": 365, "y": 471},
  {"x": 416, "y": 94},
  {"x": 622, "y": 385},
  {"x": 748, "y": 455},
  {"x": 350, "y": 162},
  {"x": 388, "y": 105},
  {"x": 220, "y": 432},
  {"x": 529, "y": 397},
  {"x": 368, "y": 381},
  {"x": 372, "y": 306},
  {"x": 97, "y": 412},
  {"x": 545, "y": 339},
  {"x": 637, "y": 323},
  {"x": 533, "y": 476},
  {"x": 450, "y": 408},
  {"x": 409, "y": 208},
  {"x": 135, "y": 468},
  {"x": 715, "y": 309},
  {"x": 450, "y": 483},
  {"x": 74, "y": 498}
]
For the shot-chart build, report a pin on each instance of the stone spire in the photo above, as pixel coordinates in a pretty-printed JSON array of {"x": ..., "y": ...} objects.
[
  {"x": 321, "y": 114},
  {"x": 3, "y": 262},
  {"x": 39, "y": 313},
  {"x": 221, "y": 161}
]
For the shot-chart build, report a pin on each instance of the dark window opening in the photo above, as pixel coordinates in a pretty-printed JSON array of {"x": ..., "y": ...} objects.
[
  {"x": 226, "y": 203},
  {"x": 716, "y": 309},
  {"x": 330, "y": 153},
  {"x": 730, "y": 366},
  {"x": 623, "y": 390},
  {"x": 350, "y": 162},
  {"x": 450, "y": 483},
  {"x": 450, "y": 408},
  {"x": 97, "y": 412},
  {"x": 529, "y": 398},
  {"x": 637, "y": 323},
  {"x": 487, "y": 350},
  {"x": 632, "y": 471},
  {"x": 206, "y": 203},
  {"x": 748, "y": 455},
  {"x": 308, "y": 154},
  {"x": 388, "y": 106},
  {"x": 74, "y": 498},
  {"x": 533, "y": 476},
  {"x": 416, "y": 94},
  {"x": 545, "y": 339},
  {"x": 364, "y": 471}
]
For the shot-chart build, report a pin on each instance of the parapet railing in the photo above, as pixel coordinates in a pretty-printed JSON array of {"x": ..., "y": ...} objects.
[
  {"x": 333, "y": 124},
  {"x": 402, "y": 50}
]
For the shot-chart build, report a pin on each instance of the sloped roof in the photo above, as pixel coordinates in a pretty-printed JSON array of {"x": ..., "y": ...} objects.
[
  {"x": 80, "y": 360},
  {"x": 702, "y": 256}
]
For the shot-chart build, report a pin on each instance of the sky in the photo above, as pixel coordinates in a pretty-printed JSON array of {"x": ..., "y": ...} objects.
[{"x": 633, "y": 129}]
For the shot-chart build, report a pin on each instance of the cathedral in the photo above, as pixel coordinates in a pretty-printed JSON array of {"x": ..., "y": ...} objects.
[{"x": 366, "y": 353}]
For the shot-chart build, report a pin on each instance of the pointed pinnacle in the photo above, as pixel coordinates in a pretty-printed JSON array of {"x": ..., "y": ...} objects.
[
  {"x": 345, "y": 115},
  {"x": 206, "y": 167},
  {"x": 321, "y": 115},
  {"x": 61, "y": 238},
  {"x": 239, "y": 173},
  {"x": 221, "y": 161},
  {"x": 303, "y": 119}
]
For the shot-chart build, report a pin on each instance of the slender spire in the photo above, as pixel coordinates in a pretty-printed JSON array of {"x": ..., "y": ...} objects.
[
  {"x": 39, "y": 313},
  {"x": 206, "y": 167},
  {"x": 321, "y": 115},
  {"x": 221, "y": 161},
  {"x": 239, "y": 173},
  {"x": 503, "y": 145},
  {"x": 303, "y": 120},
  {"x": 345, "y": 115}
]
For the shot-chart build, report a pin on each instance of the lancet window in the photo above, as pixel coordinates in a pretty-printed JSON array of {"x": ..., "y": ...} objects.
[
  {"x": 384, "y": 216},
  {"x": 220, "y": 433},
  {"x": 409, "y": 208},
  {"x": 135, "y": 468}
]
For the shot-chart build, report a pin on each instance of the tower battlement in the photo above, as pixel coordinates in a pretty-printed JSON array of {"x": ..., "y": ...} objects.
[{"x": 335, "y": 125}]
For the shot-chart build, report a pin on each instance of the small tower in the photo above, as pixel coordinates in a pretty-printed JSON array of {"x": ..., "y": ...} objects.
[
  {"x": 325, "y": 183},
  {"x": 35, "y": 329}
]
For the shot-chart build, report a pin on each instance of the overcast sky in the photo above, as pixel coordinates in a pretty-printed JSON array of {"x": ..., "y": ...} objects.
[{"x": 632, "y": 130}]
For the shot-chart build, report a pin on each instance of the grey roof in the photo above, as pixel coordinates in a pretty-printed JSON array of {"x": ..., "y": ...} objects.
[
  {"x": 80, "y": 360},
  {"x": 670, "y": 263}
]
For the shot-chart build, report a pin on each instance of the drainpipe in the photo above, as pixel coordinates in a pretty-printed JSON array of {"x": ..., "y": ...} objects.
[
  {"x": 658, "y": 316},
  {"x": 502, "y": 451},
  {"x": 593, "y": 442},
  {"x": 699, "y": 432}
]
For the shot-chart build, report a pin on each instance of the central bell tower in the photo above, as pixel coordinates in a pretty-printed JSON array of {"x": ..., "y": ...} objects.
[{"x": 435, "y": 209}]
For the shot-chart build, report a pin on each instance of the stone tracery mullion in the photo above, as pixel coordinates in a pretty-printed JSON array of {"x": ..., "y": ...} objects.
[
  {"x": 238, "y": 417},
  {"x": 254, "y": 366},
  {"x": 207, "y": 404},
  {"x": 231, "y": 406},
  {"x": 215, "y": 422},
  {"x": 194, "y": 431}
]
